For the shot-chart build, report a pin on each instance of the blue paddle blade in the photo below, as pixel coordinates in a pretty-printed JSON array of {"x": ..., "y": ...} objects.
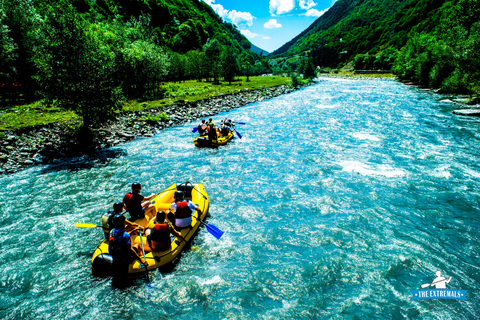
[
  {"x": 195, "y": 129},
  {"x": 214, "y": 231},
  {"x": 240, "y": 122},
  {"x": 238, "y": 134}
]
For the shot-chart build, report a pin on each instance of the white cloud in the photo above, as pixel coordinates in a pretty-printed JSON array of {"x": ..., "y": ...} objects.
[
  {"x": 237, "y": 18},
  {"x": 315, "y": 12},
  {"x": 249, "y": 34},
  {"x": 281, "y": 6},
  {"x": 241, "y": 17},
  {"x": 272, "y": 24},
  {"x": 220, "y": 10},
  {"x": 266, "y": 38},
  {"x": 307, "y": 4}
]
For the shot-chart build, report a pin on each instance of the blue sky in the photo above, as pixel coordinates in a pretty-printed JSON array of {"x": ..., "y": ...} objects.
[{"x": 269, "y": 24}]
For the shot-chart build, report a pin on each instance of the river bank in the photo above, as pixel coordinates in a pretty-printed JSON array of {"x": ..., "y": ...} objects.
[{"x": 49, "y": 143}]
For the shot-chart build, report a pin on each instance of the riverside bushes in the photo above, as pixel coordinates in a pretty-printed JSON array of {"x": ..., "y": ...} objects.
[{"x": 447, "y": 60}]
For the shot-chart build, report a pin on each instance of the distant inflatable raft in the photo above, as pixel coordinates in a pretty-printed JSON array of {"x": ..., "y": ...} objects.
[
  {"x": 102, "y": 260},
  {"x": 203, "y": 141}
]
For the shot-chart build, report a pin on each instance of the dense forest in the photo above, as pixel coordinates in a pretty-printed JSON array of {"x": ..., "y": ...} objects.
[
  {"x": 435, "y": 43},
  {"x": 91, "y": 56}
]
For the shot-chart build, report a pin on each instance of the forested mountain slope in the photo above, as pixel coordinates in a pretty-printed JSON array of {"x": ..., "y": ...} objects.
[
  {"x": 362, "y": 26},
  {"x": 433, "y": 42},
  {"x": 182, "y": 25},
  {"x": 336, "y": 13}
]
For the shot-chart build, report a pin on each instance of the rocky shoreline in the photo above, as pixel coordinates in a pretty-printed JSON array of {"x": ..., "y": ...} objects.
[{"x": 46, "y": 144}]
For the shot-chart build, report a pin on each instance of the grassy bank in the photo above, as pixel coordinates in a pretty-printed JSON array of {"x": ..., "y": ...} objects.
[
  {"x": 17, "y": 117},
  {"x": 193, "y": 90}
]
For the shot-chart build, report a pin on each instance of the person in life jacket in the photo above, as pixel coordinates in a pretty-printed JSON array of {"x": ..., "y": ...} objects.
[
  {"x": 107, "y": 220},
  {"x": 138, "y": 205},
  {"x": 158, "y": 235},
  {"x": 212, "y": 132},
  {"x": 120, "y": 246},
  {"x": 181, "y": 211},
  {"x": 202, "y": 128},
  {"x": 226, "y": 128}
]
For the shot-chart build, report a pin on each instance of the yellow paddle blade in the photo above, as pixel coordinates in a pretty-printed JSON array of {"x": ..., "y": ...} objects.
[{"x": 85, "y": 225}]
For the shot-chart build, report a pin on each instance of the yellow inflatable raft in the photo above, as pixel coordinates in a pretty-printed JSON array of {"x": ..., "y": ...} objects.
[
  {"x": 203, "y": 141},
  {"x": 102, "y": 260}
]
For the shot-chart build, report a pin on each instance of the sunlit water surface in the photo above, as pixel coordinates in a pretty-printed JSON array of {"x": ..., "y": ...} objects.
[{"x": 339, "y": 199}]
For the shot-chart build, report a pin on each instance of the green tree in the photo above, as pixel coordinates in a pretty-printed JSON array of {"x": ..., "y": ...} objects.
[
  {"x": 386, "y": 59},
  {"x": 196, "y": 64},
  {"x": 408, "y": 65},
  {"x": 177, "y": 70},
  {"x": 467, "y": 13},
  {"x": 247, "y": 63},
  {"x": 213, "y": 51},
  {"x": 308, "y": 69},
  {"x": 74, "y": 70},
  {"x": 425, "y": 59},
  {"x": 469, "y": 60},
  {"x": 230, "y": 65},
  {"x": 363, "y": 61},
  {"x": 24, "y": 24},
  {"x": 187, "y": 37},
  {"x": 145, "y": 65},
  {"x": 7, "y": 48}
]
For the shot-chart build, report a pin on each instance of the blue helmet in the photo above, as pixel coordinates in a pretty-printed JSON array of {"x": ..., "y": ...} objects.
[
  {"x": 136, "y": 185},
  {"x": 117, "y": 207}
]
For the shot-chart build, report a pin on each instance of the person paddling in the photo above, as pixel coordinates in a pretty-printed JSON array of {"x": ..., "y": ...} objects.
[
  {"x": 181, "y": 211},
  {"x": 226, "y": 128},
  {"x": 120, "y": 247},
  {"x": 202, "y": 128},
  {"x": 158, "y": 236},
  {"x": 138, "y": 205},
  {"x": 212, "y": 133},
  {"x": 107, "y": 220}
]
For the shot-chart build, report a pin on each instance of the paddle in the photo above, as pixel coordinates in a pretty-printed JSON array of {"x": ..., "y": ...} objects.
[
  {"x": 238, "y": 134},
  {"x": 86, "y": 225},
  {"x": 144, "y": 258},
  {"x": 240, "y": 122},
  {"x": 195, "y": 129},
  {"x": 213, "y": 230},
  {"x": 431, "y": 284}
]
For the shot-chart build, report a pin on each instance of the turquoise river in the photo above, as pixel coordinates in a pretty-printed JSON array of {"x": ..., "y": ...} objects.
[{"x": 340, "y": 199}]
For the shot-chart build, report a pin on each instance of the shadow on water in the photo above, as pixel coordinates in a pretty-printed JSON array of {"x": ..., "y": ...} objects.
[{"x": 99, "y": 158}]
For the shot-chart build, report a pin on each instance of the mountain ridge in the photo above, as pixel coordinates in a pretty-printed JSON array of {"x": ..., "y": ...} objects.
[{"x": 358, "y": 26}]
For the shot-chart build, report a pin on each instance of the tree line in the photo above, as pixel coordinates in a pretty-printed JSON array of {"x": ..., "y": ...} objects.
[
  {"x": 92, "y": 63},
  {"x": 449, "y": 56}
]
